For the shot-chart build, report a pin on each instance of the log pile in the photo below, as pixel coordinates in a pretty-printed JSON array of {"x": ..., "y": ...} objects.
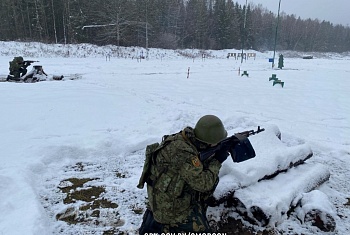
[
  {"x": 265, "y": 210},
  {"x": 279, "y": 181}
]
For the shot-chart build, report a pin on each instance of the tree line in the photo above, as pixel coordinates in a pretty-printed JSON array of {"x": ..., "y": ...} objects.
[{"x": 171, "y": 24}]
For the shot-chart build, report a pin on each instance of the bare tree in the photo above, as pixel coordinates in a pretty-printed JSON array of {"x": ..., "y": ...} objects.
[{"x": 54, "y": 20}]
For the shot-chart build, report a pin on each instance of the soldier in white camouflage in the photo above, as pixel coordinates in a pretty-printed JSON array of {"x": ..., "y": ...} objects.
[{"x": 178, "y": 183}]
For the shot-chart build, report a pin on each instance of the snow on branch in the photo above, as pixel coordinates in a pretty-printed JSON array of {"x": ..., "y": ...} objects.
[{"x": 98, "y": 26}]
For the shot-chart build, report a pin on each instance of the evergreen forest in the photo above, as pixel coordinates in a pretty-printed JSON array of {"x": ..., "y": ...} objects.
[{"x": 171, "y": 24}]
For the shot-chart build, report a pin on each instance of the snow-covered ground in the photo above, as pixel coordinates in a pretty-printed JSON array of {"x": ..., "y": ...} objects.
[{"x": 98, "y": 127}]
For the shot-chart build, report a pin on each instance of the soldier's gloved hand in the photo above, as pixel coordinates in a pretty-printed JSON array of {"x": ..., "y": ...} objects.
[{"x": 221, "y": 156}]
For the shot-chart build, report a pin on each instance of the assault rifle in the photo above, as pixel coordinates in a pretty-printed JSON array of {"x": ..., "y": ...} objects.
[
  {"x": 30, "y": 61},
  {"x": 238, "y": 145}
]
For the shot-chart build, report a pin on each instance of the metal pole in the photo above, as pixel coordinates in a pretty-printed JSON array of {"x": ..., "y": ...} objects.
[
  {"x": 147, "y": 25},
  {"x": 243, "y": 37},
  {"x": 278, "y": 20}
]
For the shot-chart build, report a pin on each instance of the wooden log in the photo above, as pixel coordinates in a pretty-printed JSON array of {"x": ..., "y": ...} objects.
[
  {"x": 268, "y": 202},
  {"x": 315, "y": 208}
]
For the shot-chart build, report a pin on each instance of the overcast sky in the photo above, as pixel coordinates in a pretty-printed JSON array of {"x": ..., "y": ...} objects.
[{"x": 335, "y": 11}]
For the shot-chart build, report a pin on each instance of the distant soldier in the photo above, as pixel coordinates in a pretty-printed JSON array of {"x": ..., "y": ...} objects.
[
  {"x": 280, "y": 62},
  {"x": 18, "y": 68},
  {"x": 179, "y": 184}
]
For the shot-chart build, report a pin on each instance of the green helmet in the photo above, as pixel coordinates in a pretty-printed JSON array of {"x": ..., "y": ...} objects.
[
  {"x": 209, "y": 129},
  {"x": 19, "y": 59}
]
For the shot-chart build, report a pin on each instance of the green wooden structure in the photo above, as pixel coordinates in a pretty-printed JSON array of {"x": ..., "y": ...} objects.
[
  {"x": 245, "y": 73},
  {"x": 274, "y": 77},
  {"x": 278, "y": 82}
]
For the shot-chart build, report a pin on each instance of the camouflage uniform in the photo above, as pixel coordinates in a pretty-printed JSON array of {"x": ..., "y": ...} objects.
[
  {"x": 179, "y": 183},
  {"x": 18, "y": 67}
]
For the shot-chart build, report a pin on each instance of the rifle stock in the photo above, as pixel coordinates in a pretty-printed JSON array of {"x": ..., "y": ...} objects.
[{"x": 238, "y": 145}]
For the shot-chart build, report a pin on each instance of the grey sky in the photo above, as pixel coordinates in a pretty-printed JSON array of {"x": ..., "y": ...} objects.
[{"x": 335, "y": 11}]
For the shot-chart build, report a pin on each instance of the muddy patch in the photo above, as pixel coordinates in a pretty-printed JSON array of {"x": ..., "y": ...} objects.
[
  {"x": 89, "y": 199},
  {"x": 86, "y": 205}
]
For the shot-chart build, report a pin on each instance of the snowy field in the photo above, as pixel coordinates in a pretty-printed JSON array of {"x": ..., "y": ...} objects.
[{"x": 98, "y": 127}]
